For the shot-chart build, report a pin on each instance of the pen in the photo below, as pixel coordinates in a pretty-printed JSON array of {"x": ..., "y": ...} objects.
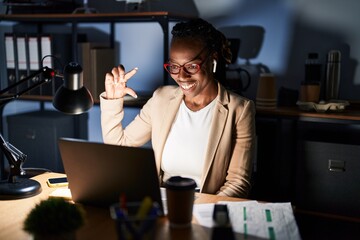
[
  {"x": 134, "y": 219},
  {"x": 122, "y": 203},
  {"x": 144, "y": 208},
  {"x": 122, "y": 216},
  {"x": 152, "y": 215}
]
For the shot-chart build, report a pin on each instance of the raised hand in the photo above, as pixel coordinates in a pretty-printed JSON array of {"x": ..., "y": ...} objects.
[{"x": 115, "y": 83}]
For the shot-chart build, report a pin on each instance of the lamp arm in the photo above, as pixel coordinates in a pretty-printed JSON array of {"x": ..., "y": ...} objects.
[
  {"x": 48, "y": 74},
  {"x": 15, "y": 157},
  {"x": 71, "y": 98}
]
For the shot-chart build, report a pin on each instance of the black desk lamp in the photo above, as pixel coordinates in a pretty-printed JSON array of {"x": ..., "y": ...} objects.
[{"x": 71, "y": 98}]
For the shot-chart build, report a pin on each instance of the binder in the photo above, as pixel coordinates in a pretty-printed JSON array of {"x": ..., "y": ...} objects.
[
  {"x": 86, "y": 63},
  {"x": 10, "y": 60},
  {"x": 46, "y": 61},
  {"x": 33, "y": 47},
  {"x": 102, "y": 61},
  {"x": 21, "y": 60},
  {"x": 58, "y": 47}
]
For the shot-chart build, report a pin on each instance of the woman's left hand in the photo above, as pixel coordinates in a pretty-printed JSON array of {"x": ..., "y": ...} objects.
[{"x": 115, "y": 83}]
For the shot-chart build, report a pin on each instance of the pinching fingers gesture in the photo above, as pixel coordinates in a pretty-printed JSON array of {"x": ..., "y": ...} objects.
[{"x": 115, "y": 83}]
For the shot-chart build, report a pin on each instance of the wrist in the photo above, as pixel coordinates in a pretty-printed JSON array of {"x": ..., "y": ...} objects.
[{"x": 107, "y": 97}]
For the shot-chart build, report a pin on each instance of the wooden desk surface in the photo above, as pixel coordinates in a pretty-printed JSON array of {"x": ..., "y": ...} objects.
[{"x": 98, "y": 225}]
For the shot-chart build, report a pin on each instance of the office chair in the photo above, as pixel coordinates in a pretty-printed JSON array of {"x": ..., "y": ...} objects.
[
  {"x": 245, "y": 43},
  {"x": 251, "y": 39}
]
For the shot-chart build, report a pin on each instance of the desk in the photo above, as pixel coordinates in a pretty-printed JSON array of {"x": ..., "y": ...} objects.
[
  {"x": 347, "y": 116},
  {"x": 99, "y": 225}
]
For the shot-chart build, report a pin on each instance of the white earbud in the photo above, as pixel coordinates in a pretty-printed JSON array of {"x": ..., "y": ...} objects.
[{"x": 214, "y": 65}]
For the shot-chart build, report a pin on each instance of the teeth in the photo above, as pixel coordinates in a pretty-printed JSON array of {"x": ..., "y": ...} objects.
[{"x": 187, "y": 86}]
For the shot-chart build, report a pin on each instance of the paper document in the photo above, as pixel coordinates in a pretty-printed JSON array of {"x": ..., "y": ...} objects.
[
  {"x": 61, "y": 193},
  {"x": 273, "y": 221}
]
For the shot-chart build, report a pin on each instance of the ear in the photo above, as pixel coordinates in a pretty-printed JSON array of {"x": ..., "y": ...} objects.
[{"x": 214, "y": 65}]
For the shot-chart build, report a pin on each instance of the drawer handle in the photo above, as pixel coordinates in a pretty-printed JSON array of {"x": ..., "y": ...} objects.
[
  {"x": 336, "y": 165},
  {"x": 30, "y": 134}
]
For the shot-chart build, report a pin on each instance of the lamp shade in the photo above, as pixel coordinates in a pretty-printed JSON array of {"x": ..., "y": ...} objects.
[{"x": 72, "y": 97}]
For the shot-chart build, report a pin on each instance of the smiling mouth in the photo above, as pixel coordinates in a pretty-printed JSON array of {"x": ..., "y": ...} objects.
[{"x": 186, "y": 86}]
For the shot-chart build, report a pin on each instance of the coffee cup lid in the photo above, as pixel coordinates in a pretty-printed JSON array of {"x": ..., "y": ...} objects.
[{"x": 180, "y": 183}]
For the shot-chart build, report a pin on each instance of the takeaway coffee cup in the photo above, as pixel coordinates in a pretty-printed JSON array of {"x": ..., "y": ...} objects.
[
  {"x": 309, "y": 92},
  {"x": 180, "y": 193},
  {"x": 266, "y": 92},
  {"x": 266, "y": 87}
]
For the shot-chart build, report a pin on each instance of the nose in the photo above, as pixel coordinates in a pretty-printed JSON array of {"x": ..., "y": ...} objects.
[{"x": 182, "y": 74}]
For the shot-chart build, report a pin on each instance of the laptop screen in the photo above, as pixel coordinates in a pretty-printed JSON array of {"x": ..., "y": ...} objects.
[{"x": 98, "y": 174}]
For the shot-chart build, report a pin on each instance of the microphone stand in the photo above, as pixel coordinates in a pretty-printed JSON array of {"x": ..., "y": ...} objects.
[{"x": 14, "y": 187}]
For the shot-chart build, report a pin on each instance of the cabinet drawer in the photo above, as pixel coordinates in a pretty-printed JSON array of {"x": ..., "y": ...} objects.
[
  {"x": 36, "y": 135},
  {"x": 328, "y": 178}
]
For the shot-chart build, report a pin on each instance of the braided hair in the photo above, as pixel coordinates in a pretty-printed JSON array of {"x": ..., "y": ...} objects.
[{"x": 205, "y": 32}]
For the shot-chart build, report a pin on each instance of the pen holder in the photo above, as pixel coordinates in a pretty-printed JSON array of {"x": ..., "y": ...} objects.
[{"x": 132, "y": 225}]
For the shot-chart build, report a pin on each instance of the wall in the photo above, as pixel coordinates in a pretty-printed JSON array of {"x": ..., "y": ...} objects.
[
  {"x": 140, "y": 45},
  {"x": 297, "y": 27}
]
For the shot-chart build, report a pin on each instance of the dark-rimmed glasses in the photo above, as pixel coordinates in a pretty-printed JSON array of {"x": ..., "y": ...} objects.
[{"x": 189, "y": 68}]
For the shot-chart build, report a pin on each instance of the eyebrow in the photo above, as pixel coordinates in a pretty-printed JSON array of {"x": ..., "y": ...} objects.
[{"x": 194, "y": 58}]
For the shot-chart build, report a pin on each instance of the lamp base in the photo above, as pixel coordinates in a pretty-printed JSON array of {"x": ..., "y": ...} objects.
[{"x": 22, "y": 188}]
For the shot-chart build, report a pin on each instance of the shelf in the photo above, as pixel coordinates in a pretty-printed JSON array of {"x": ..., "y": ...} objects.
[
  {"x": 346, "y": 116},
  {"x": 128, "y": 101},
  {"x": 162, "y": 18},
  {"x": 92, "y": 17}
]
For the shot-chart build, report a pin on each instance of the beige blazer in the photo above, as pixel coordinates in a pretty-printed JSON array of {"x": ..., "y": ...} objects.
[{"x": 228, "y": 160}]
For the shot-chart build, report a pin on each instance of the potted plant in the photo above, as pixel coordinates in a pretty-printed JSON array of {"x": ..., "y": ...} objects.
[{"x": 54, "y": 218}]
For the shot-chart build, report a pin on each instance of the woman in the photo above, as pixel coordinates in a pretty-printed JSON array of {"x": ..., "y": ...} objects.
[{"x": 198, "y": 129}]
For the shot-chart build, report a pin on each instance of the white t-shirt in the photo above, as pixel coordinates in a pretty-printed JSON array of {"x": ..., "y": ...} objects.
[{"x": 186, "y": 144}]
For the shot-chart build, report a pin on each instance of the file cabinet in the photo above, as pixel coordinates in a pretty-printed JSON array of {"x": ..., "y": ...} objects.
[
  {"x": 309, "y": 159},
  {"x": 328, "y": 178},
  {"x": 36, "y": 135}
]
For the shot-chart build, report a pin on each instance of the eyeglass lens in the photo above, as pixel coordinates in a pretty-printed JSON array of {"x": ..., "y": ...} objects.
[{"x": 188, "y": 68}]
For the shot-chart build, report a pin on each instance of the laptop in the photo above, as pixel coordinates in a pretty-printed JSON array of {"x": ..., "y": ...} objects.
[{"x": 98, "y": 174}]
